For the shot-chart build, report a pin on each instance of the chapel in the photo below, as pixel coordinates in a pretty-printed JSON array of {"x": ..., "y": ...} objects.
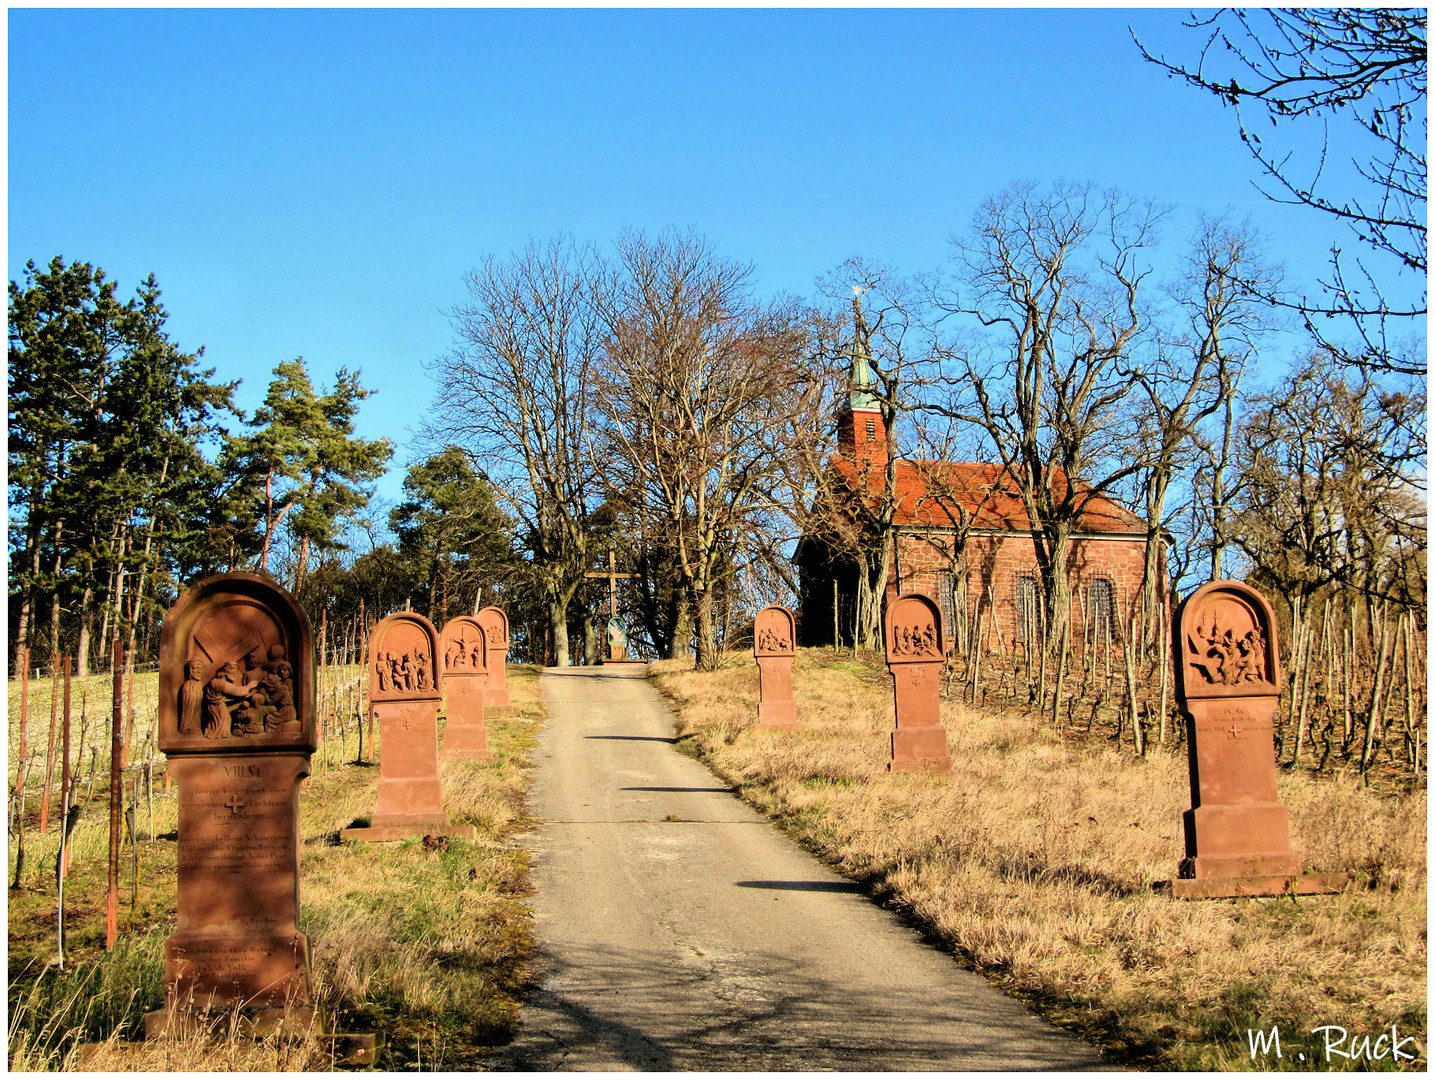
[{"x": 963, "y": 537}]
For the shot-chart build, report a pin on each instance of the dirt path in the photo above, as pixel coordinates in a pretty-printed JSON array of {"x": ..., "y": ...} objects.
[{"x": 678, "y": 930}]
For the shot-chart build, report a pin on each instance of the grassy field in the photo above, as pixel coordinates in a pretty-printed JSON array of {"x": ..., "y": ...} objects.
[
  {"x": 1035, "y": 863},
  {"x": 423, "y": 945}
]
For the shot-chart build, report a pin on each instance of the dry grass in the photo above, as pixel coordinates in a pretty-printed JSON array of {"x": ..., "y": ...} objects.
[
  {"x": 1035, "y": 860},
  {"x": 424, "y": 946}
]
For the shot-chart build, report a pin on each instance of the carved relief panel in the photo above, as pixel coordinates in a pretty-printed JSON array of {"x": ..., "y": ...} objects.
[
  {"x": 236, "y": 669},
  {"x": 402, "y": 659},
  {"x": 773, "y": 632},
  {"x": 464, "y": 647},
  {"x": 1226, "y": 644},
  {"x": 913, "y": 631}
]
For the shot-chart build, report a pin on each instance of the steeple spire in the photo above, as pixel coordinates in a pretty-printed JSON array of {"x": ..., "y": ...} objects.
[{"x": 862, "y": 384}]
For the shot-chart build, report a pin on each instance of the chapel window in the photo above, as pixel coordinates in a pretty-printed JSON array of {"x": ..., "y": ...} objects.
[
  {"x": 1028, "y": 611},
  {"x": 1100, "y": 609}
]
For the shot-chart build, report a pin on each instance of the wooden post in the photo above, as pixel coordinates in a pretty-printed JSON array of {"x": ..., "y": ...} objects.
[
  {"x": 24, "y": 706},
  {"x": 24, "y": 768},
  {"x": 112, "y": 901},
  {"x": 65, "y": 782},
  {"x": 50, "y": 747},
  {"x": 130, "y": 725}
]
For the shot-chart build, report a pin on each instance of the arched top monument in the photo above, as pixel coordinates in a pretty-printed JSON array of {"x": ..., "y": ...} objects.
[
  {"x": 236, "y": 669},
  {"x": 1226, "y": 643},
  {"x": 402, "y": 654},
  {"x": 464, "y": 646},
  {"x": 913, "y": 630},
  {"x": 774, "y": 632}
]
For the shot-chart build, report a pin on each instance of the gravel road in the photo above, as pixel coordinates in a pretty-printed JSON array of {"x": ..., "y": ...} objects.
[{"x": 678, "y": 930}]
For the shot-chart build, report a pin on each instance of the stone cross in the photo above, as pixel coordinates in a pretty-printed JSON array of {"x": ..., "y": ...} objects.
[
  {"x": 1228, "y": 684},
  {"x": 774, "y": 632},
  {"x": 236, "y": 721},
  {"x": 494, "y": 621},
  {"x": 915, "y": 653},
  {"x": 405, "y": 688},
  {"x": 465, "y": 685}
]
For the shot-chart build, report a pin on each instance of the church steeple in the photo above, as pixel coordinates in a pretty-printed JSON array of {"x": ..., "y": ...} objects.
[
  {"x": 861, "y": 432},
  {"x": 861, "y": 384}
]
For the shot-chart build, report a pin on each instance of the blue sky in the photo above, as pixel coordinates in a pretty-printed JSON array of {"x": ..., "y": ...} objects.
[{"x": 318, "y": 182}]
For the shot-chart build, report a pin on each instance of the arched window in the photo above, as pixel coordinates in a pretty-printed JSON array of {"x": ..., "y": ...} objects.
[
  {"x": 1028, "y": 611},
  {"x": 1100, "y": 610}
]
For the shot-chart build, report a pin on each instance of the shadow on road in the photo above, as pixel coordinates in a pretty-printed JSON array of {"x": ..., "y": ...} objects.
[
  {"x": 804, "y": 886},
  {"x": 632, "y": 738},
  {"x": 636, "y": 1008}
]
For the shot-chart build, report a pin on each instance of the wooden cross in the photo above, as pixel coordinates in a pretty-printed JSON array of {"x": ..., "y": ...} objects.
[{"x": 612, "y": 575}]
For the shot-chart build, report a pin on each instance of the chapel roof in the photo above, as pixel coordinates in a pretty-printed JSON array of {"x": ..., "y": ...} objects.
[{"x": 933, "y": 494}]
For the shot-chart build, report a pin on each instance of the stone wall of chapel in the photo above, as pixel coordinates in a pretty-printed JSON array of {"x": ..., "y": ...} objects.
[{"x": 996, "y": 563}]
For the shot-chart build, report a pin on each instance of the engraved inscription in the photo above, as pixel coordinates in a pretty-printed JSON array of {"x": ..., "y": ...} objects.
[{"x": 239, "y": 855}]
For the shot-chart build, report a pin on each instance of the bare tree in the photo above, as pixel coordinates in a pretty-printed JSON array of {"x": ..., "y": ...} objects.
[
  {"x": 1053, "y": 281},
  {"x": 516, "y": 392},
  {"x": 1365, "y": 67},
  {"x": 1331, "y": 490},
  {"x": 698, "y": 387},
  {"x": 1196, "y": 369}
]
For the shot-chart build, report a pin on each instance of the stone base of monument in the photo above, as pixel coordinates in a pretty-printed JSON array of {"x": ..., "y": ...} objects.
[
  {"x": 1213, "y": 888},
  {"x": 339, "y": 1049},
  {"x": 467, "y": 741},
  {"x": 777, "y": 716},
  {"x": 289, "y": 1022},
  {"x": 922, "y": 749},
  {"x": 1226, "y": 833},
  {"x": 387, "y": 827}
]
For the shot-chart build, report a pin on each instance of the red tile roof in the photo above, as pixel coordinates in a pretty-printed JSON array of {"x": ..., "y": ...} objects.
[{"x": 929, "y": 494}]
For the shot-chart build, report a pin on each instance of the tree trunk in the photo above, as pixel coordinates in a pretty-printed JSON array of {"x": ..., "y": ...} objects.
[
  {"x": 1057, "y": 585},
  {"x": 590, "y": 639},
  {"x": 27, "y": 604},
  {"x": 709, "y": 657},
  {"x": 87, "y": 615},
  {"x": 1151, "y": 568},
  {"x": 304, "y": 563},
  {"x": 558, "y": 632},
  {"x": 682, "y": 643},
  {"x": 873, "y": 570}
]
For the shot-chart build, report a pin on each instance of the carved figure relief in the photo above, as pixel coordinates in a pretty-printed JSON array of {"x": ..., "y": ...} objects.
[
  {"x": 463, "y": 646},
  {"x": 238, "y": 702},
  {"x": 772, "y": 639},
  {"x": 915, "y": 639},
  {"x": 913, "y": 630},
  {"x": 772, "y": 630},
  {"x": 241, "y": 703},
  {"x": 1226, "y": 645},
  {"x": 191, "y": 698},
  {"x": 404, "y": 647},
  {"x": 494, "y": 622},
  {"x": 235, "y": 668},
  {"x": 455, "y": 655}
]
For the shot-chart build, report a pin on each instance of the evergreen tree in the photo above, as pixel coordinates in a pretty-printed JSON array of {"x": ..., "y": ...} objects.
[{"x": 299, "y": 474}]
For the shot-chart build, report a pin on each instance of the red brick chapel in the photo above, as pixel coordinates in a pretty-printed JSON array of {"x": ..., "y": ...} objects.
[{"x": 964, "y": 539}]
